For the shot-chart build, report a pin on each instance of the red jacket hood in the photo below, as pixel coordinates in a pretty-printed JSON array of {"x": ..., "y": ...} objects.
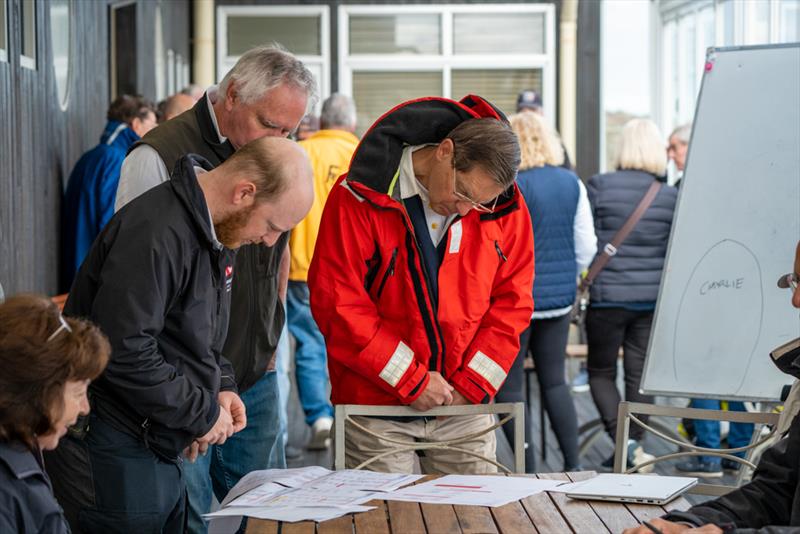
[{"x": 416, "y": 122}]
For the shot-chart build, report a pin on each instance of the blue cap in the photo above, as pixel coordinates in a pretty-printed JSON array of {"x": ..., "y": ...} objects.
[{"x": 529, "y": 99}]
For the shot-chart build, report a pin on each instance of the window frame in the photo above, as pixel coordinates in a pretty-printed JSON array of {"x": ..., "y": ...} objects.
[
  {"x": 447, "y": 61},
  {"x": 322, "y": 61},
  {"x": 4, "y": 42},
  {"x": 29, "y": 62}
]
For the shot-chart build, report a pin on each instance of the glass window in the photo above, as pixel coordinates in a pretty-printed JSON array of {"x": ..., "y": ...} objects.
[
  {"x": 299, "y": 34},
  {"x": 758, "y": 23},
  {"x": 377, "y": 92},
  {"x": 789, "y": 17},
  {"x": 500, "y": 87},
  {"x": 728, "y": 24},
  {"x": 689, "y": 71},
  {"x": 3, "y": 37},
  {"x": 706, "y": 31},
  {"x": 395, "y": 34},
  {"x": 60, "y": 42},
  {"x": 29, "y": 33},
  {"x": 488, "y": 33}
]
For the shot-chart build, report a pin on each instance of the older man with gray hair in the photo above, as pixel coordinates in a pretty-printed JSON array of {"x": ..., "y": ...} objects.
[
  {"x": 266, "y": 93},
  {"x": 679, "y": 145},
  {"x": 330, "y": 150}
]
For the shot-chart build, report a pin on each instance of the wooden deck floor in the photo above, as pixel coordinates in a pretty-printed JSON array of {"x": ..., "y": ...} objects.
[{"x": 601, "y": 449}]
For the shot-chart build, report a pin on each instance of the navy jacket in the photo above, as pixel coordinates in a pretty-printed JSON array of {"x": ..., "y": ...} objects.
[
  {"x": 634, "y": 274},
  {"x": 89, "y": 200},
  {"x": 27, "y": 503},
  {"x": 158, "y": 285},
  {"x": 551, "y": 194}
]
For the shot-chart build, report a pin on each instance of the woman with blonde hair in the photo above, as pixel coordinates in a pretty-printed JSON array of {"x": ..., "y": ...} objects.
[
  {"x": 623, "y": 295},
  {"x": 564, "y": 244},
  {"x": 47, "y": 362}
]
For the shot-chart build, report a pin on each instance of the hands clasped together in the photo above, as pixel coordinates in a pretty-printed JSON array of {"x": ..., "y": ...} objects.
[
  {"x": 438, "y": 392},
  {"x": 231, "y": 419}
]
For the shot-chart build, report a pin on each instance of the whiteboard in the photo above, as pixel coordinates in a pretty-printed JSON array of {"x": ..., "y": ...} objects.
[{"x": 737, "y": 222}]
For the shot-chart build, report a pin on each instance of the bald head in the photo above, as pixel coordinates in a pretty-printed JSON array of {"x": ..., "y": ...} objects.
[
  {"x": 264, "y": 189},
  {"x": 177, "y": 104}
]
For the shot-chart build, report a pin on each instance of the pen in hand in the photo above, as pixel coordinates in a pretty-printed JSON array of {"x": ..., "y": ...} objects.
[{"x": 656, "y": 530}]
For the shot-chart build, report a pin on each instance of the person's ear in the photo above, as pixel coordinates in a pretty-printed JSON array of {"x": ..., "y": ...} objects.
[
  {"x": 444, "y": 152},
  {"x": 231, "y": 94},
  {"x": 136, "y": 126},
  {"x": 244, "y": 193}
]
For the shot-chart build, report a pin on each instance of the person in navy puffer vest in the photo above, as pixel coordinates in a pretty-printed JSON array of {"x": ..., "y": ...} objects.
[
  {"x": 565, "y": 245},
  {"x": 92, "y": 187},
  {"x": 623, "y": 295}
]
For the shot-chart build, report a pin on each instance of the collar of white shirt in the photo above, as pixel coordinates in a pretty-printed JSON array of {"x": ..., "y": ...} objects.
[{"x": 212, "y": 94}]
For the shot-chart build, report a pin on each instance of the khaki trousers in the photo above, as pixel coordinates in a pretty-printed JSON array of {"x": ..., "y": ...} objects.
[{"x": 361, "y": 446}]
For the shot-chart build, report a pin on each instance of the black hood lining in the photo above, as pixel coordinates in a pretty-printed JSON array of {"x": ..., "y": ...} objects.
[{"x": 417, "y": 122}]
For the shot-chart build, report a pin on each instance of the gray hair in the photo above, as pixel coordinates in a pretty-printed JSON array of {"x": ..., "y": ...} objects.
[
  {"x": 266, "y": 67},
  {"x": 682, "y": 132},
  {"x": 338, "y": 110}
]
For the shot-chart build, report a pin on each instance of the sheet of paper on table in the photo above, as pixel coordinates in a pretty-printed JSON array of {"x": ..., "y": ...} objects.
[
  {"x": 476, "y": 490},
  {"x": 304, "y": 494}
]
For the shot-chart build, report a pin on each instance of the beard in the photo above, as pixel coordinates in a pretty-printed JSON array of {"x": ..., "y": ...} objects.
[{"x": 229, "y": 228}]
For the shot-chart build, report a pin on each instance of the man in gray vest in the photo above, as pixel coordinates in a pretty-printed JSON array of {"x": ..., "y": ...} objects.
[{"x": 266, "y": 93}]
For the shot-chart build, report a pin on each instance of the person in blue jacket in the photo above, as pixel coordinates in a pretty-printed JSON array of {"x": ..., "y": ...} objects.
[
  {"x": 92, "y": 187},
  {"x": 564, "y": 245}
]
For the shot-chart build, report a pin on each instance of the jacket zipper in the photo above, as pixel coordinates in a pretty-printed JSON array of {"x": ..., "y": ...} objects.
[
  {"x": 389, "y": 272},
  {"x": 500, "y": 251}
]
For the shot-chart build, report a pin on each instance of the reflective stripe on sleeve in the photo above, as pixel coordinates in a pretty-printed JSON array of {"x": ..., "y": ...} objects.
[
  {"x": 488, "y": 369},
  {"x": 398, "y": 364}
]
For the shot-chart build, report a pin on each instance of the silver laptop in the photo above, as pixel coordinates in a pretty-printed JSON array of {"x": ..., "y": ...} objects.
[{"x": 648, "y": 489}]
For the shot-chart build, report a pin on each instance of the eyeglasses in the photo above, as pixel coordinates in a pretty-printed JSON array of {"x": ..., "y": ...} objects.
[
  {"x": 477, "y": 206},
  {"x": 789, "y": 280},
  {"x": 62, "y": 327}
]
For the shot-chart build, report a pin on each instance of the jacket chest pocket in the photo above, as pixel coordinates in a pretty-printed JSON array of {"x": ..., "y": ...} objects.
[{"x": 380, "y": 271}]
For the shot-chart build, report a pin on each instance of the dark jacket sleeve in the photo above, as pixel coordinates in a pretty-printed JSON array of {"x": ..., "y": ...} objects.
[
  {"x": 227, "y": 380},
  {"x": 143, "y": 270},
  {"x": 765, "y": 503}
]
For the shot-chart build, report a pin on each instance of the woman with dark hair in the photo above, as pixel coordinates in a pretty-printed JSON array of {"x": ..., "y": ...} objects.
[
  {"x": 47, "y": 362},
  {"x": 623, "y": 295},
  {"x": 564, "y": 244}
]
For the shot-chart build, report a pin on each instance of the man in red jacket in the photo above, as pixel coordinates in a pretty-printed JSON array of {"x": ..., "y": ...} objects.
[{"x": 421, "y": 278}]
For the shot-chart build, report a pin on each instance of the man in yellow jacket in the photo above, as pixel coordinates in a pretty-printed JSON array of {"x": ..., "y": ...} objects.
[{"x": 330, "y": 150}]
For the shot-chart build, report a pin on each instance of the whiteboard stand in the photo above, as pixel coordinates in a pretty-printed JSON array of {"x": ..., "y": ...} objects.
[{"x": 628, "y": 412}]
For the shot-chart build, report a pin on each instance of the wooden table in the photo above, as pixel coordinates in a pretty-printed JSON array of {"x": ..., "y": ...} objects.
[{"x": 542, "y": 513}]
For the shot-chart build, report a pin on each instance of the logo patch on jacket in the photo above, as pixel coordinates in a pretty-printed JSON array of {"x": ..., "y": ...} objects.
[{"x": 228, "y": 278}]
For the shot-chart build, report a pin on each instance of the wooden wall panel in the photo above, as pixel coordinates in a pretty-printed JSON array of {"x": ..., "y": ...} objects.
[{"x": 40, "y": 142}]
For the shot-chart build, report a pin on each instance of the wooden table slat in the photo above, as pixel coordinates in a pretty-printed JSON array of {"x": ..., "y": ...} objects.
[
  {"x": 512, "y": 519},
  {"x": 260, "y": 526},
  {"x": 475, "y": 519},
  {"x": 340, "y": 525},
  {"x": 440, "y": 519},
  {"x": 544, "y": 513},
  {"x": 375, "y": 521},
  {"x": 405, "y": 517},
  {"x": 580, "y": 516},
  {"x": 614, "y": 516},
  {"x": 644, "y": 512},
  {"x": 303, "y": 527}
]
